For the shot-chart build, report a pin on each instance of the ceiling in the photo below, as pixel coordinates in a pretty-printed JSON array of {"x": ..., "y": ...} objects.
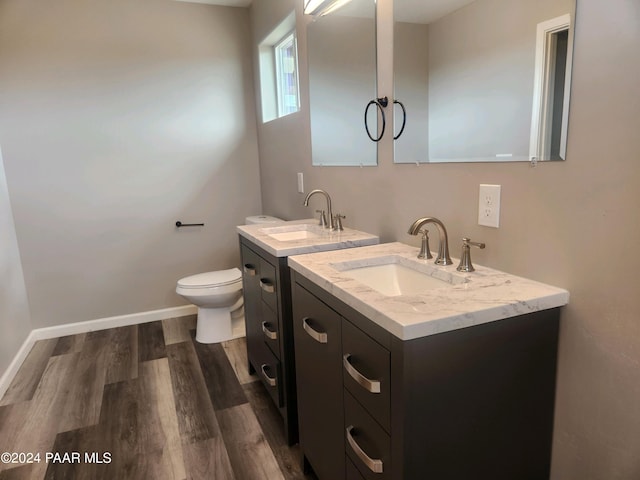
[
  {"x": 421, "y": 11},
  {"x": 224, "y": 3},
  {"x": 413, "y": 11}
]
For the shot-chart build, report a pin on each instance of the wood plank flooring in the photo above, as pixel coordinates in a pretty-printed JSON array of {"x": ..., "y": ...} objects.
[{"x": 143, "y": 402}]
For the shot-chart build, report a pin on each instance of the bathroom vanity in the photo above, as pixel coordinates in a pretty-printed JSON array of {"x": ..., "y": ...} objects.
[
  {"x": 452, "y": 380},
  {"x": 267, "y": 301}
]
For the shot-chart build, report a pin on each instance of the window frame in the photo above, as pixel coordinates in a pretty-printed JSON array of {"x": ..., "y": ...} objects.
[
  {"x": 290, "y": 40},
  {"x": 272, "y": 91}
]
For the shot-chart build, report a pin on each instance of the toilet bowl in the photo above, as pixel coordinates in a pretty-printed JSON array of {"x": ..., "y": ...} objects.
[{"x": 218, "y": 296}]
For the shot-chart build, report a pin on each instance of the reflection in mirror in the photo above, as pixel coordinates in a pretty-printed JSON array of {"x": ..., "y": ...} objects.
[
  {"x": 483, "y": 80},
  {"x": 342, "y": 81}
]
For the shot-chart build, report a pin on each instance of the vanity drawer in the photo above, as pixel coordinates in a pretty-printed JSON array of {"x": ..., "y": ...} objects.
[
  {"x": 250, "y": 286},
  {"x": 269, "y": 372},
  {"x": 367, "y": 444},
  {"x": 367, "y": 372},
  {"x": 270, "y": 329},
  {"x": 268, "y": 284},
  {"x": 352, "y": 471},
  {"x": 250, "y": 265}
]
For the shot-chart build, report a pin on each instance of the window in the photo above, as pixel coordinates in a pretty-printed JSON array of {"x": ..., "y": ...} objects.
[
  {"x": 279, "y": 71},
  {"x": 286, "y": 55}
]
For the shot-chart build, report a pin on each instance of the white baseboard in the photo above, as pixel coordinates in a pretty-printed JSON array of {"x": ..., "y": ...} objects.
[
  {"x": 16, "y": 363},
  {"x": 84, "y": 327},
  {"x": 113, "y": 322}
]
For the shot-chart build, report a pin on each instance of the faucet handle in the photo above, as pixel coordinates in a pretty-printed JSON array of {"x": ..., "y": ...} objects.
[
  {"x": 465, "y": 257},
  {"x": 338, "y": 222},
  {"x": 425, "y": 252},
  {"x": 323, "y": 219}
]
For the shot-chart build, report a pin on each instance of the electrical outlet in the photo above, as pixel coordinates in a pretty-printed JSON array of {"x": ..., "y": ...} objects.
[
  {"x": 489, "y": 205},
  {"x": 300, "y": 182}
]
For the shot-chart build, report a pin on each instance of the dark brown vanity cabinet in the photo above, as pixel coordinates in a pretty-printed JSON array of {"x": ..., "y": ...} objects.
[
  {"x": 267, "y": 304},
  {"x": 473, "y": 403}
]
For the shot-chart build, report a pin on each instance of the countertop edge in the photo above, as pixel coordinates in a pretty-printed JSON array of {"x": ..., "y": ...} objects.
[
  {"x": 550, "y": 297},
  {"x": 286, "y": 249}
]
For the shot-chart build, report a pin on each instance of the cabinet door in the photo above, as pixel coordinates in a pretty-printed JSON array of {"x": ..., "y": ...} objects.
[
  {"x": 252, "y": 302},
  {"x": 317, "y": 337}
]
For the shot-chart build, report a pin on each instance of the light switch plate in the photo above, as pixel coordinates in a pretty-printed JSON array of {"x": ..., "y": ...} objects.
[
  {"x": 489, "y": 205},
  {"x": 300, "y": 182}
]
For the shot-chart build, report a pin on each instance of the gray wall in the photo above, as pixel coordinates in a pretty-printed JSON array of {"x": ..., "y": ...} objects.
[
  {"x": 118, "y": 118},
  {"x": 573, "y": 224},
  {"x": 15, "y": 320}
]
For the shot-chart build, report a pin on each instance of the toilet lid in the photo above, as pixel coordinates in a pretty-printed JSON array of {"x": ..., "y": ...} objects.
[{"x": 211, "y": 279}]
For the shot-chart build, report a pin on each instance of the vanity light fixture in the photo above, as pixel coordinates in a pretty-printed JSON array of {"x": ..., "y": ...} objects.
[{"x": 318, "y": 8}]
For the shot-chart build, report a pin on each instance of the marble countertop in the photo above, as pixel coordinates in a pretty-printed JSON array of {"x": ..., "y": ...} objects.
[
  {"x": 474, "y": 298},
  {"x": 313, "y": 237}
]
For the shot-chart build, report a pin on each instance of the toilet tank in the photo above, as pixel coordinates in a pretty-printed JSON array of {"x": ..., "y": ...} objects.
[{"x": 255, "y": 219}]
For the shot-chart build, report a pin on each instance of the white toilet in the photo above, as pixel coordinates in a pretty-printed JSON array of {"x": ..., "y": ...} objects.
[{"x": 218, "y": 296}]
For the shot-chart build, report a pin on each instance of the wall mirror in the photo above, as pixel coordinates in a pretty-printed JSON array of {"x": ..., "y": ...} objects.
[
  {"x": 341, "y": 52},
  {"x": 482, "y": 80}
]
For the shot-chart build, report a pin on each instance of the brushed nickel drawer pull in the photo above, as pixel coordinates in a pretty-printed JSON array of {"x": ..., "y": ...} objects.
[
  {"x": 272, "y": 381},
  {"x": 373, "y": 464},
  {"x": 319, "y": 337},
  {"x": 267, "y": 286},
  {"x": 271, "y": 335},
  {"x": 372, "y": 386},
  {"x": 249, "y": 269}
]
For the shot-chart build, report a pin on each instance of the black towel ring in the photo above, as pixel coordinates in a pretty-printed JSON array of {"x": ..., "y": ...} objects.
[
  {"x": 380, "y": 103},
  {"x": 404, "y": 118}
]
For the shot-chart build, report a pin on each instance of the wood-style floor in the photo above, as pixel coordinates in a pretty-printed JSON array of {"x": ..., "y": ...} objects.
[{"x": 148, "y": 401}]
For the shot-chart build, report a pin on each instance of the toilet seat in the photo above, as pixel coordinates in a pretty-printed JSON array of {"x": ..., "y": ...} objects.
[{"x": 212, "y": 279}]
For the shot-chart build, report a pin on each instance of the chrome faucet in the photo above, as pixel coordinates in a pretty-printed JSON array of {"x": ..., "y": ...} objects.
[
  {"x": 443, "y": 244},
  {"x": 330, "y": 224}
]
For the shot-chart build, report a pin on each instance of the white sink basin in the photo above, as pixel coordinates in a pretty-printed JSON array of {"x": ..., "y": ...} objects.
[
  {"x": 394, "y": 275},
  {"x": 289, "y": 233}
]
